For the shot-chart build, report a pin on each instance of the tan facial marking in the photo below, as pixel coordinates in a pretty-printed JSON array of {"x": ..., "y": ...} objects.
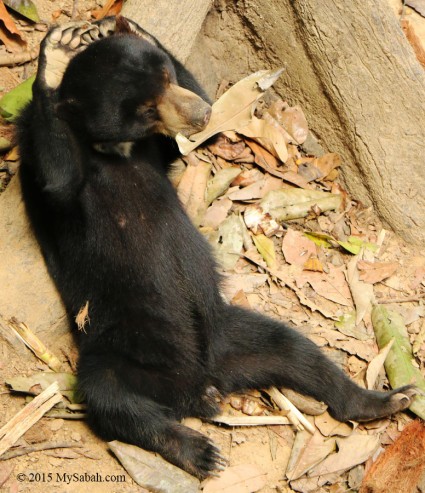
[{"x": 181, "y": 110}]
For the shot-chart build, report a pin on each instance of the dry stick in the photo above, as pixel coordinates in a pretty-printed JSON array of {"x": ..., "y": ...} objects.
[
  {"x": 250, "y": 420},
  {"x": 29, "y": 415},
  {"x": 38, "y": 448},
  {"x": 33, "y": 342},
  {"x": 17, "y": 58},
  {"x": 401, "y": 300},
  {"x": 294, "y": 416}
]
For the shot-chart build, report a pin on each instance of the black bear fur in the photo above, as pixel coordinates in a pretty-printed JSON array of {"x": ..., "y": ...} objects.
[{"x": 161, "y": 342}]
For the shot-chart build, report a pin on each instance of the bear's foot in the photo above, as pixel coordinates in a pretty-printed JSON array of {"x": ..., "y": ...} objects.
[
  {"x": 375, "y": 405},
  {"x": 60, "y": 46}
]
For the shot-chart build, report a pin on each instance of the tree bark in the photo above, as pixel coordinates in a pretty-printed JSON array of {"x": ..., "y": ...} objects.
[
  {"x": 355, "y": 75},
  {"x": 175, "y": 25},
  {"x": 371, "y": 75}
]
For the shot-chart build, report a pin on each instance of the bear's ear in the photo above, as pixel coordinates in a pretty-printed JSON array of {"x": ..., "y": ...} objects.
[
  {"x": 123, "y": 26},
  {"x": 69, "y": 110}
]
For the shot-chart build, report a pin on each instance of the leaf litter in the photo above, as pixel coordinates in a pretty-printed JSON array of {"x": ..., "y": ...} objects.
[
  {"x": 291, "y": 243},
  {"x": 280, "y": 214}
]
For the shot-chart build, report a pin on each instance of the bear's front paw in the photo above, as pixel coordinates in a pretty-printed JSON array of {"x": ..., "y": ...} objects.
[{"x": 60, "y": 45}]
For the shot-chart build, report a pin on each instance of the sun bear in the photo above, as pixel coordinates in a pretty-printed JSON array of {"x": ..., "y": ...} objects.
[{"x": 161, "y": 344}]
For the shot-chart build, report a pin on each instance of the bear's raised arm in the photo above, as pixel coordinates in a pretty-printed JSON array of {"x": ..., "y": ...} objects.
[{"x": 161, "y": 343}]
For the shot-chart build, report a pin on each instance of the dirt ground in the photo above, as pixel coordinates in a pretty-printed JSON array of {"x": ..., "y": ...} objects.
[{"x": 267, "y": 447}]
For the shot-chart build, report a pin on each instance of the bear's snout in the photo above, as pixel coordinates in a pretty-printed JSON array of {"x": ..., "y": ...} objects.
[{"x": 182, "y": 111}]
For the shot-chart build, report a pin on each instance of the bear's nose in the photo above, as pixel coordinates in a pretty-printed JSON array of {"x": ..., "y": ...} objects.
[
  {"x": 201, "y": 114},
  {"x": 207, "y": 116}
]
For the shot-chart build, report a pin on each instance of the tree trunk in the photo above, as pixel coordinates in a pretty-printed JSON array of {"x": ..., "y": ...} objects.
[
  {"x": 355, "y": 75},
  {"x": 371, "y": 75},
  {"x": 176, "y": 25}
]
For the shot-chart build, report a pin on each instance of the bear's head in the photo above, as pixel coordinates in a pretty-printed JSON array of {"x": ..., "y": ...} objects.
[{"x": 124, "y": 88}]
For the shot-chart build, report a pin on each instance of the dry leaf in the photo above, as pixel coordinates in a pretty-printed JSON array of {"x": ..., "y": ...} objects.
[
  {"x": 352, "y": 451},
  {"x": 246, "y": 478},
  {"x": 309, "y": 172},
  {"x": 297, "y": 248},
  {"x": 246, "y": 282},
  {"x": 313, "y": 264},
  {"x": 364, "y": 350},
  {"x": 220, "y": 183},
  {"x": 265, "y": 159},
  {"x": 257, "y": 190},
  {"x": 268, "y": 134},
  {"x": 226, "y": 149},
  {"x": 361, "y": 292},
  {"x": 292, "y": 120},
  {"x": 111, "y": 7},
  {"x": 240, "y": 299},
  {"x": 331, "y": 286},
  {"x": 192, "y": 188},
  {"x": 373, "y": 272},
  {"x": 9, "y": 33},
  {"x": 327, "y": 163},
  {"x": 296, "y": 179},
  {"x": 151, "y": 471},
  {"x": 308, "y": 451},
  {"x": 217, "y": 213},
  {"x": 247, "y": 177},
  {"x": 230, "y": 242},
  {"x": 376, "y": 365},
  {"x": 328, "y": 426},
  {"x": 233, "y": 109}
]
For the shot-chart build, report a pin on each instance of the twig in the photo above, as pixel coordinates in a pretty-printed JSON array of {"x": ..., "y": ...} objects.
[
  {"x": 33, "y": 342},
  {"x": 294, "y": 416},
  {"x": 38, "y": 448},
  {"x": 29, "y": 415},
  {"x": 18, "y": 58},
  {"x": 250, "y": 420},
  {"x": 417, "y": 297}
]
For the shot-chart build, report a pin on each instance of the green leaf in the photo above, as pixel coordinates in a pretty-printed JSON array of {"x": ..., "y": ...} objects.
[
  {"x": 320, "y": 239},
  {"x": 354, "y": 245},
  {"x": 354, "y": 249},
  {"x": 14, "y": 101},
  {"x": 265, "y": 247},
  {"x": 24, "y": 7}
]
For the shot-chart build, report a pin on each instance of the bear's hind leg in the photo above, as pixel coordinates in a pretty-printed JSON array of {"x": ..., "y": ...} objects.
[
  {"x": 117, "y": 411},
  {"x": 254, "y": 351}
]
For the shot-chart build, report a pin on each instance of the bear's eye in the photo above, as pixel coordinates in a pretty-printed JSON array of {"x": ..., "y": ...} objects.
[{"x": 146, "y": 111}]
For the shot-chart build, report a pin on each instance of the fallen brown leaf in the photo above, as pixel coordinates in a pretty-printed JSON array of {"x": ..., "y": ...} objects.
[
  {"x": 373, "y": 272},
  {"x": 297, "y": 248},
  {"x": 292, "y": 120},
  {"x": 10, "y": 35},
  {"x": 308, "y": 451},
  {"x": 352, "y": 450},
  {"x": 237, "y": 479},
  {"x": 111, "y": 7},
  {"x": 331, "y": 286}
]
